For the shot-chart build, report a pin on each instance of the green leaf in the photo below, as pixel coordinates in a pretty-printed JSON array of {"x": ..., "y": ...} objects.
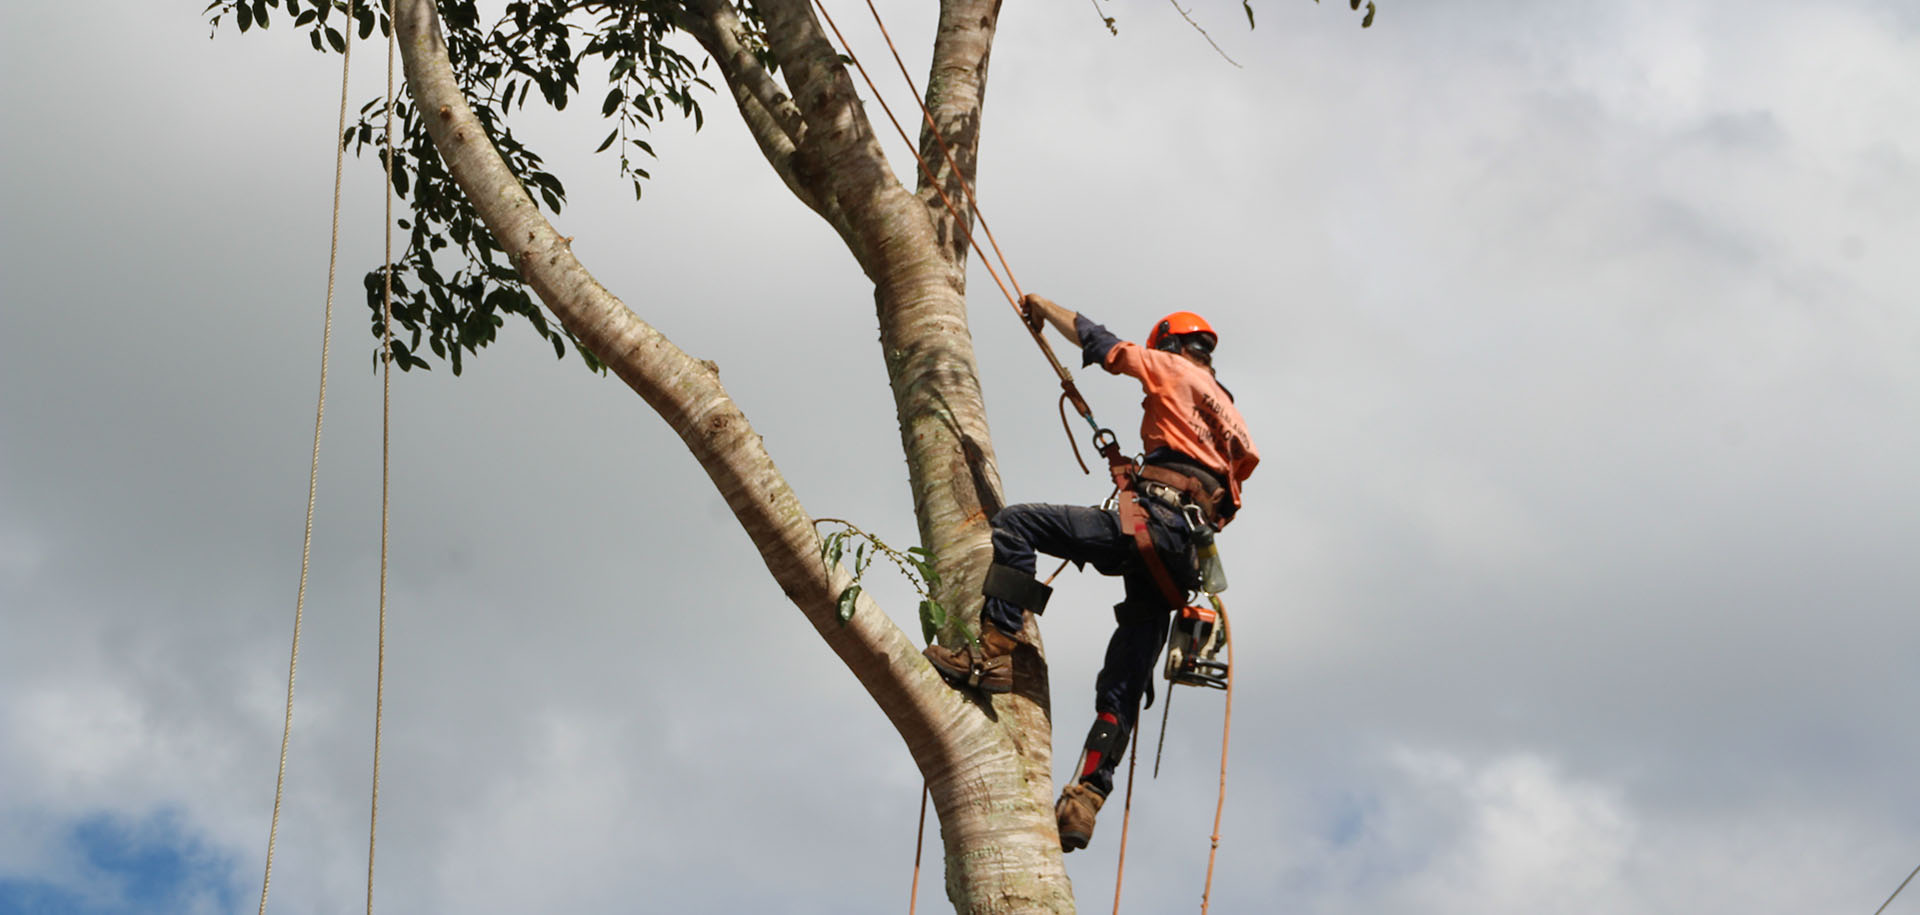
[
  {"x": 245, "y": 14},
  {"x": 847, "y": 601},
  {"x": 336, "y": 39},
  {"x": 1367, "y": 22},
  {"x": 608, "y": 141},
  {"x": 933, "y": 618},
  {"x": 1248, "y": 5}
]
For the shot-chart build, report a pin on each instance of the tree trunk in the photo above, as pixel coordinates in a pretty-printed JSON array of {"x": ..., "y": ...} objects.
[{"x": 987, "y": 766}]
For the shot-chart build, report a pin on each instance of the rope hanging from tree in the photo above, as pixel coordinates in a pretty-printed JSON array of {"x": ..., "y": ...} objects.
[
  {"x": 386, "y": 474},
  {"x": 313, "y": 473},
  {"x": 386, "y": 427}
]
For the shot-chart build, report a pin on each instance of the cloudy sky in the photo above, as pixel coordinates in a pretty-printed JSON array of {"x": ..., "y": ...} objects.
[{"x": 1580, "y": 576}]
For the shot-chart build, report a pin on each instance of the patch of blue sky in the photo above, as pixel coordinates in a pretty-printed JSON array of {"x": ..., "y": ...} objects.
[{"x": 152, "y": 865}]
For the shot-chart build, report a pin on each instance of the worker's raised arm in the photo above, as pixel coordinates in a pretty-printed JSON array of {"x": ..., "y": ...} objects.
[{"x": 1038, "y": 308}]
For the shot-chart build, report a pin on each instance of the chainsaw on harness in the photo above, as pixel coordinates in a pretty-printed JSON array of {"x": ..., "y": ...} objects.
[{"x": 1194, "y": 643}]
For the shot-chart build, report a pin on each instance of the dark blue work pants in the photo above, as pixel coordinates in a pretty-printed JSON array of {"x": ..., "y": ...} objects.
[{"x": 1092, "y": 536}]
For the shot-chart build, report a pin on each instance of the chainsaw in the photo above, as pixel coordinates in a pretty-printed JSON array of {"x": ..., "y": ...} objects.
[{"x": 1193, "y": 648}]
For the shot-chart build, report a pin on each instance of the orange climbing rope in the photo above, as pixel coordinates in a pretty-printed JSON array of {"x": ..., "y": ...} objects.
[
  {"x": 1013, "y": 296},
  {"x": 1126, "y": 819},
  {"x": 1226, "y": 731},
  {"x": 919, "y": 840}
]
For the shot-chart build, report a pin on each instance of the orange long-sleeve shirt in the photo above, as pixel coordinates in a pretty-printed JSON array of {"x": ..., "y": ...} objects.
[{"x": 1185, "y": 408}]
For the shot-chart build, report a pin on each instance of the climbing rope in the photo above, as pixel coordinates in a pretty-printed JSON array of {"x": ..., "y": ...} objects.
[
  {"x": 313, "y": 472},
  {"x": 1126, "y": 816},
  {"x": 386, "y": 475},
  {"x": 919, "y": 839},
  {"x": 1013, "y": 296},
  {"x": 941, "y": 140},
  {"x": 1896, "y": 891},
  {"x": 1226, "y": 731}
]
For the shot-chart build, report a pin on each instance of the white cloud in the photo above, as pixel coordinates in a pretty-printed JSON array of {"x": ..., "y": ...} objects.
[{"x": 1524, "y": 838}]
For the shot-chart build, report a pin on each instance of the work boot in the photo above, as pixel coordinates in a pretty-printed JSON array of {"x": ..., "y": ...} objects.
[
  {"x": 987, "y": 666},
  {"x": 1077, "y": 807}
]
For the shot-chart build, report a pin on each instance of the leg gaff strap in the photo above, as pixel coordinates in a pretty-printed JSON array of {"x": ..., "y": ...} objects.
[
  {"x": 1106, "y": 743},
  {"x": 1015, "y": 587}
]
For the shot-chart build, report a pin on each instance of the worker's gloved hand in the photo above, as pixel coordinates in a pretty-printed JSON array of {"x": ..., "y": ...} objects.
[{"x": 1032, "y": 311}]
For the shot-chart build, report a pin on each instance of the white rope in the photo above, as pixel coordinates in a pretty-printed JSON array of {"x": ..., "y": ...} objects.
[
  {"x": 313, "y": 473},
  {"x": 386, "y": 477}
]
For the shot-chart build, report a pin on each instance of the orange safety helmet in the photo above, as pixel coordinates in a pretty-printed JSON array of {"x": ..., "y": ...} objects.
[{"x": 1180, "y": 323}]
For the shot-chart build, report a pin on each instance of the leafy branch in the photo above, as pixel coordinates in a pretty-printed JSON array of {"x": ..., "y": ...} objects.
[
  {"x": 916, "y": 564},
  {"x": 454, "y": 285}
]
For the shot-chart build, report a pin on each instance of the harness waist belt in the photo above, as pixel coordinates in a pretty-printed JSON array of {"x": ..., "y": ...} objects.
[{"x": 1209, "y": 498}]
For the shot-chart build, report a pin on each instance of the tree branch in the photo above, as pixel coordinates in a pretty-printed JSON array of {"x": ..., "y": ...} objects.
[
  {"x": 956, "y": 91},
  {"x": 685, "y": 392},
  {"x": 840, "y": 155},
  {"x": 721, "y": 32},
  {"x": 770, "y": 114}
]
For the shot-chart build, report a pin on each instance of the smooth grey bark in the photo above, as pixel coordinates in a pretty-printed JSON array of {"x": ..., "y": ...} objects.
[{"x": 987, "y": 765}]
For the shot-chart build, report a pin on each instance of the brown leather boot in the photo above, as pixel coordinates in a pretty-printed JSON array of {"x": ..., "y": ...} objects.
[
  {"x": 1076, "y": 809},
  {"x": 987, "y": 666}
]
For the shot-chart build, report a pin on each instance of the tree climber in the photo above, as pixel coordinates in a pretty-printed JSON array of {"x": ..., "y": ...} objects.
[{"x": 1197, "y": 452}]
